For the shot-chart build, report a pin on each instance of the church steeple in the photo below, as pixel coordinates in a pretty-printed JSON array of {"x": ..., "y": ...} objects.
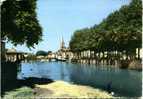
[{"x": 62, "y": 46}]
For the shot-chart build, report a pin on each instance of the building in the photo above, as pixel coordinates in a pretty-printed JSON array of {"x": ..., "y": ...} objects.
[
  {"x": 51, "y": 55},
  {"x": 13, "y": 55},
  {"x": 64, "y": 52}
]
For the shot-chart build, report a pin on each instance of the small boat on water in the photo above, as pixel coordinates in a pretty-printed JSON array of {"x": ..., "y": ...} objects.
[
  {"x": 61, "y": 59},
  {"x": 52, "y": 60},
  {"x": 44, "y": 60}
]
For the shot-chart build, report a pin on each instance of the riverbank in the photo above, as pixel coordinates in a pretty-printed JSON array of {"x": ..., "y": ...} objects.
[
  {"x": 58, "y": 89},
  {"x": 135, "y": 64}
]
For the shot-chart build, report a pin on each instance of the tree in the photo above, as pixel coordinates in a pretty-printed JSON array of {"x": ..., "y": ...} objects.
[
  {"x": 120, "y": 31},
  {"x": 19, "y": 22},
  {"x": 41, "y": 53},
  {"x": 49, "y": 52}
]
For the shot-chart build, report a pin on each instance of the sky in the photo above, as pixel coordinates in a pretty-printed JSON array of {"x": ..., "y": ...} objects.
[{"x": 60, "y": 18}]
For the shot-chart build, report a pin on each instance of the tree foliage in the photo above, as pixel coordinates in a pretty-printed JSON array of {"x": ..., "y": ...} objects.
[
  {"x": 120, "y": 31},
  {"x": 41, "y": 53},
  {"x": 19, "y": 22},
  {"x": 49, "y": 52}
]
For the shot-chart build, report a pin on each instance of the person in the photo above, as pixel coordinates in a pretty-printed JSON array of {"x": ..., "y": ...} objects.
[{"x": 109, "y": 87}]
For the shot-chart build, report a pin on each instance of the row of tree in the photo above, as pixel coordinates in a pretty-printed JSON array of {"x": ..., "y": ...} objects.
[{"x": 121, "y": 31}]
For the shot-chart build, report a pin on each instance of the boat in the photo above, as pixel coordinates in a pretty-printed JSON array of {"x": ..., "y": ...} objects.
[
  {"x": 59, "y": 58},
  {"x": 44, "y": 60}
]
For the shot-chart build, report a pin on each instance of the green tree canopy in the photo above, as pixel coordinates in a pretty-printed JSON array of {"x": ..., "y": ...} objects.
[
  {"x": 49, "y": 52},
  {"x": 120, "y": 31},
  {"x": 41, "y": 53},
  {"x": 79, "y": 41},
  {"x": 19, "y": 22}
]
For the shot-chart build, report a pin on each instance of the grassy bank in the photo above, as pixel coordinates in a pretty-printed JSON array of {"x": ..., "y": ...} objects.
[
  {"x": 57, "y": 89},
  {"x": 24, "y": 92}
]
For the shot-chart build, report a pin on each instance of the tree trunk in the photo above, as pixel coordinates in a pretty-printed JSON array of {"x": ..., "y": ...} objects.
[
  {"x": 138, "y": 53},
  {"x": 103, "y": 57}
]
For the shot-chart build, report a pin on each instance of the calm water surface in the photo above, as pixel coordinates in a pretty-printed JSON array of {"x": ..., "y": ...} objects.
[{"x": 124, "y": 82}]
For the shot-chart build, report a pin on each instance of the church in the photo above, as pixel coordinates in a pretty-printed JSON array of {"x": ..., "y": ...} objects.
[{"x": 64, "y": 52}]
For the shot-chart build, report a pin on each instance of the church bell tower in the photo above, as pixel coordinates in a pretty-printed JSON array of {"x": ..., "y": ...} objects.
[{"x": 62, "y": 45}]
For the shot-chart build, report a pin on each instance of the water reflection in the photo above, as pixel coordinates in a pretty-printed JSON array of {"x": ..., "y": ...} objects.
[{"x": 124, "y": 82}]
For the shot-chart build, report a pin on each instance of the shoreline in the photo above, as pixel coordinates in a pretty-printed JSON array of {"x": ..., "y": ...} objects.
[
  {"x": 60, "y": 89},
  {"x": 124, "y": 64}
]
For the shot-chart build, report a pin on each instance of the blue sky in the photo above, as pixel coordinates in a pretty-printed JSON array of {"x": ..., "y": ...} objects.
[{"x": 62, "y": 17}]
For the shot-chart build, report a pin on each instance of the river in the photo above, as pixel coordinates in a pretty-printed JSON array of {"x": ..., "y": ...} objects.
[{"x": 123, "y": 82}]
